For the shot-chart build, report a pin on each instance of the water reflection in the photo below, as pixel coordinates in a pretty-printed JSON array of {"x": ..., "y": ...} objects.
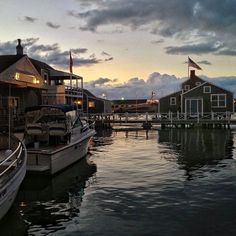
[
  {"x": 102, "y": 138},
  {"x": 47, "y": 203},
  {"x": 195, "y": 148}
]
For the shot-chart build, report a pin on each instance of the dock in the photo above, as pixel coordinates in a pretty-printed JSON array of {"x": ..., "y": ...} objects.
[{"x": 173, "y": 120}]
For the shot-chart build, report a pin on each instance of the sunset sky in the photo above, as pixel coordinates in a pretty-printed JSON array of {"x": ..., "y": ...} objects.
[{"x": 120, "y": 45}]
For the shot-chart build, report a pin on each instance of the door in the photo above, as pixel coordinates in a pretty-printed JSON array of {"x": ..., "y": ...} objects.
[{"x": 194, "y": 106}]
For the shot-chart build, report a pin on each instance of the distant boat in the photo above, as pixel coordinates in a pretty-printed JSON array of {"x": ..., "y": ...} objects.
[
  {"x": 55, "y": 138},
  {"x": 12, "y": 170}
]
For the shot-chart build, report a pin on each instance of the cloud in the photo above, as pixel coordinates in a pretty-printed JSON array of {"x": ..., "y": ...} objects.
[
  {"x": 205, "y": 62},
  {"x": 30, "y": 19},
  {"x": 105, "y": 54},
  {"x": 193, "y": 22},
  {"x": 52, "y": 25},
  {"x": 158, "y": 41},
  {"x": 161, "y": 84},
  {"x": 52, "y": 53},
  {"x": 201, "y": 48},
  {"x": 109, "y": 59},
  {"x": 227, "y": 52},
  {"x": 8, "y": 47}
]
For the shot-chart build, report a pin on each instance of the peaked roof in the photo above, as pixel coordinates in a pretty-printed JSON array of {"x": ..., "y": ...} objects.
[
  {"x": 40, "y": 65},
  {"x": 8, "y": 60}
]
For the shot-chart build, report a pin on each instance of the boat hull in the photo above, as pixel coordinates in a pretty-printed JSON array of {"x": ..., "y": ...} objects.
[
  {"x": 51, "y": 162},
  {"x": 9, "y": 190}
]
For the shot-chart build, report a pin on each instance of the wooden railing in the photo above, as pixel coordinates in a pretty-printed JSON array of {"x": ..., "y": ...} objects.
[{"x": 161, "y": 117}]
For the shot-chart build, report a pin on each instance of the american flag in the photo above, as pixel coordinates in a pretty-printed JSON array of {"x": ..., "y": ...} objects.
[{"x": 191, "y": 63}]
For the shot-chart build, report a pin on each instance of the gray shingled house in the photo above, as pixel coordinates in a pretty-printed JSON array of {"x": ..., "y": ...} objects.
[{"x": 197, "y": 96}]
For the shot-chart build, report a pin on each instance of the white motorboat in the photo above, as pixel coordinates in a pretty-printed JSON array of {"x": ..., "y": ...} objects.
[
  {"x": 13, "y": 158},
  {"x": 55, "y": 138}
]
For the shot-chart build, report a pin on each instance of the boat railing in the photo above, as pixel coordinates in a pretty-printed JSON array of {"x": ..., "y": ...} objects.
[{"x": 12, "y": 160}]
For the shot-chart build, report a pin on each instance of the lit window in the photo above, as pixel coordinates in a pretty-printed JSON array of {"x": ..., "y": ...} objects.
[
  {"x": 91, "y": 104},
  {"x": 218, "y": 100},
  {"x": 173, "y": 101},
  {"x": 207, "y": 89}
]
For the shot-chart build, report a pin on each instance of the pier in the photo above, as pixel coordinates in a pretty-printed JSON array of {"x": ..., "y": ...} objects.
[{"x": 173, "y": 120}]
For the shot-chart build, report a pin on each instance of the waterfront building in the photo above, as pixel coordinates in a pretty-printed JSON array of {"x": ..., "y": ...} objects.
[
  {"x": 197, "y": 96},
  {"x": 93, "y": 104},
  {"x": 21, "y": 86},
  {"x": 135, "y": 105},
  {"x": 27, "y": 82}
]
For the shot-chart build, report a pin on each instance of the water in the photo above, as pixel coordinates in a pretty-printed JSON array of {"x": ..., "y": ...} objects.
[{"x": 171, "y": 182}]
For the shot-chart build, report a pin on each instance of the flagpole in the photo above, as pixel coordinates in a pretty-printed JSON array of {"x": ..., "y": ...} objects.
[
  {"x": 70, "y": 78},
  {"x": 188, "y": 67}
]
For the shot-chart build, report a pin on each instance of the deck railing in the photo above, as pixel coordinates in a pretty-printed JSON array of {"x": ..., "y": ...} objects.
[{"x": 162, "y": 117}]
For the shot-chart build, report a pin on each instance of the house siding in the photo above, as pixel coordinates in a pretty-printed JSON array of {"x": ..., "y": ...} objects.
[
  {"x": 207, "y": 106},
  {"x": 165, "y": 106},
  {"x": 196, "y": 91}
]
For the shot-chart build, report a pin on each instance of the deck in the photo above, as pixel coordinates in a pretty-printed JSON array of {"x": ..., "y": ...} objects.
[{"x": 166, "y": 119}]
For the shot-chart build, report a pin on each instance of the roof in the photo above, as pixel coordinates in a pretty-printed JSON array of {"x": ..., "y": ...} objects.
[
  {"x": 62, "y": 107},
  {"x": 8, "y": 60},
  {"x": 40, "y": 65},
  {"x": 129, "y": 101},
  {"x": 89, "y": 94},
  {"x": 171, "y": 94}
]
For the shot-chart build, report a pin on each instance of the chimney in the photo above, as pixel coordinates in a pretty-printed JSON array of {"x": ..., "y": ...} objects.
[
  {"x": 19, "y": 48},
  {"x": 192, "y": 73}
]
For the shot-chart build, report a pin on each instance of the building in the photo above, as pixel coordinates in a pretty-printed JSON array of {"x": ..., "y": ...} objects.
[
  {"x": 27, "y": 82},
  {"x": 93, "y": 104},
  {"x": 197, "y": 97},
  {"x": 60, "y": 87},
  {"x": 21, "y": 86},
  {"x": 135, "y": 105}
]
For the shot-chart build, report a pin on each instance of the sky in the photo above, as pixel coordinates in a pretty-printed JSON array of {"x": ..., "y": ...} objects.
[{"x": 126, "y": 48}]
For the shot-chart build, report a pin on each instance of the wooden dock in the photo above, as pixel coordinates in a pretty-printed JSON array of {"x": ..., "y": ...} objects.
[{"x": 147, "y": 120}]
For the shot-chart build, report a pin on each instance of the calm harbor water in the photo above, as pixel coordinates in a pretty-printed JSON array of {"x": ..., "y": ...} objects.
[{"x": 171, "y": 182}]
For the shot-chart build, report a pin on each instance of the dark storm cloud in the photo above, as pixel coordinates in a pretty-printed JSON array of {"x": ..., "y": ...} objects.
[
  {"x": 227, "y": 52},
  {"x": 52, "y": 25},
  {"x": 200, "y": 48},
  {"x": 30, "y": 19},
  {"x": 174, "y": 16},
  {"x": 200, "y": 20}
]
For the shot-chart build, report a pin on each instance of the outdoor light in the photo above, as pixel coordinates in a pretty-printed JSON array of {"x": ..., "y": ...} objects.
[{"x": 17, "y": 76}]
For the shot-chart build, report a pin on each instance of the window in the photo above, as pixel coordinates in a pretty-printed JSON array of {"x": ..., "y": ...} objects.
[
  {"x": 173, "y": 101},
  {"x": 207, "y": 89},
  {"x": 198, "y": 83},
  {"x": 186, "y": 87},
  {"x": 218, "y": 100}
]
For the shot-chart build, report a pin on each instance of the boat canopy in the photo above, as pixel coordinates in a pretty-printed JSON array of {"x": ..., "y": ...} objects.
[{"x": 63, "y": 107}]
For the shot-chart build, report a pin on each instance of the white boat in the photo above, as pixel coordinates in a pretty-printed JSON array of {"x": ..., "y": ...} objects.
[
  {"x": 12, "y": 170},
  {"x": 55, "y": 138}
]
